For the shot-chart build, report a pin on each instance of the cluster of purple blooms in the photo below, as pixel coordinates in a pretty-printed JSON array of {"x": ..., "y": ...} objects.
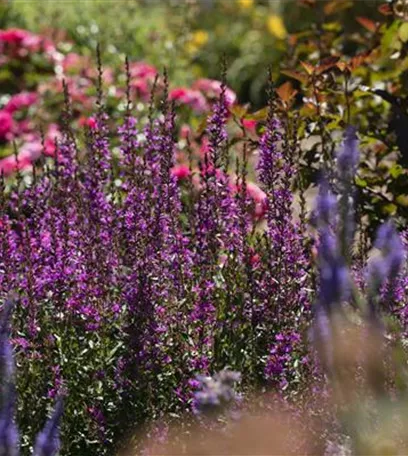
[
  {"x": 130, "y": 285},
  {"x": 217, "y": 392},
  {"x": 128, "y": 279}
]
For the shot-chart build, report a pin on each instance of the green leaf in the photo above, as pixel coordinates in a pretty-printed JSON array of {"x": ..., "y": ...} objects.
[
  {"x": 390, "y": 42},
  {"x": 396, "y": 170},
  {"x": 403, "y": 32},
  {"x": 389, "y": 209},
  {"x": 361, "y": 182},
  {"x": 402, "y": 200}
]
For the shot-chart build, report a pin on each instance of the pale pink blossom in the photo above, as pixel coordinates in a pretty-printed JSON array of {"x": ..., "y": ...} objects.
[
  {"x": 190, "y": 97},
  {"x": 211, "y": 88},
  {"x": 21, "y": 100}
]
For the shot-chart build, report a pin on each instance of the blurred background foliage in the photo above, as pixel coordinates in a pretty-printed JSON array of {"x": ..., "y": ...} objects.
[{"x": 186, "y": 36}]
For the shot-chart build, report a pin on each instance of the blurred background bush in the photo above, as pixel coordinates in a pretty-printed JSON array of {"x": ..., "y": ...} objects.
[{"x": 187, "y": 36}]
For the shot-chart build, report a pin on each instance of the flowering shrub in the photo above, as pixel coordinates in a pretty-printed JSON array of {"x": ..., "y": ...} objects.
[
  {"x": 167, "y": 240},
  {"x": 135, "y": 275},
  {"x": 356, "y": 334}
]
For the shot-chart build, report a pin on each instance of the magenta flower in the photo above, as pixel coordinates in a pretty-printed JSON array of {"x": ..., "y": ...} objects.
[
  {"x": 180, "y": 171},
  {"x": 13, "y": 36},
  {"x": 21, "y": 100},
  {"x": 6, "y": 125},
  {"x": 189, "y": 97}
]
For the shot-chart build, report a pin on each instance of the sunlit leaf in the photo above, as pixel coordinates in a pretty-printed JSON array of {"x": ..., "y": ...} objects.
[
  {"x": 286, "y": 91},
  {"x": 308, "y": 67},
  {"x": 202, "y": 126},
  {"x": 276, "y": 27},
  {"x": 327, "y": 64},
  {"x": 335, "y": 6},
  {"x": 308, "y": 3},
  {"x": 238, "y": 110},
  {"x": 396, "y": 170},
  {"x": 389, "y": 209},
  {"x": 342, "y": 66},
  {"x": 402, "y": 200},
  {"x": 385, "y": 9},
  {"x": 403, "y": 32},
  {"x": 332, "y": 26},
  {"x": 301, "y": 77},
  {"x": 390, "y": 41},
  {"x": 370, "y": 25},
  {"x": 362, "y": 183},
  {"x": 359, "y": 59},
  {"x": 262, "y": 114}
]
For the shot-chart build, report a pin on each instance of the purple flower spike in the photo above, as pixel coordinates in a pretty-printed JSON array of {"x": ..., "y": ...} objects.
[
  {"x": 6, "y": 353},
  {"x": 326, "y": 205},
  {"x": 349, "y": 155},
  {"x": 48, "y": 440},
  {"x": 334, "y": 275},
  {"x": 9, "y": 437},
  {"x": 391, "y": 259}
]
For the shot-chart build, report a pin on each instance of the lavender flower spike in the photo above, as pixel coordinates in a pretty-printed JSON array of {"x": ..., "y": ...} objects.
[
  {"x": 390, "y": 261},
  {"x": 6, "y": 355},
  {"x": 9, "y": 438},
  {"x": 349, "y": 155},
  {"x": 326, "y": 206},
  {"x": 334, "y": 276},
  {"x": 48, "y": 440}
]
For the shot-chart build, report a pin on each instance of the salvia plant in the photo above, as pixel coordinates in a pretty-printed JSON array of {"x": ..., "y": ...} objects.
[{"x": 129, "y": 283}]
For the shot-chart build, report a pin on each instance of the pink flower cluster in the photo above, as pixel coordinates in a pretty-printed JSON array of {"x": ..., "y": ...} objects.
[
  {"x": 201, "y": 94},
  {"x": 16, "y": 127},
  {"x": 19, "y": 43}
]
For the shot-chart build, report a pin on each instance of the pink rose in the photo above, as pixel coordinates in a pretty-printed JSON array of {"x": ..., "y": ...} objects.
[
  {"x": 6, "y": 124},
  {"x": 255, "y": 192},
  {"x": 185, "y": 131},
  {"x": 53, "y": 133},
  {"x": 89, "y": 122},
  {"x": 142, "y": 70},
  {"x": 13, "y": 36},
  {"x": 10, "y": 165},
  {"x": 20, "y": 100},
  {"x": 193, "y": 98},
  {"x": 259, "y": 198},
  {"x": 72, "y": 61},
  {"x": 249, "y": 124},
  {"x": 180, "y": 171},
  {"x": 141, "y": 87}
]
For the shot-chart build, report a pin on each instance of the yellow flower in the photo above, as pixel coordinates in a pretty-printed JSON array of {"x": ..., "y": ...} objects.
[
  {"x": 276, "y": 27},
  {"x": 191, "y": 48},
  {"x": 200, "y": 37},
  {"x": 246, "y": 4}
]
